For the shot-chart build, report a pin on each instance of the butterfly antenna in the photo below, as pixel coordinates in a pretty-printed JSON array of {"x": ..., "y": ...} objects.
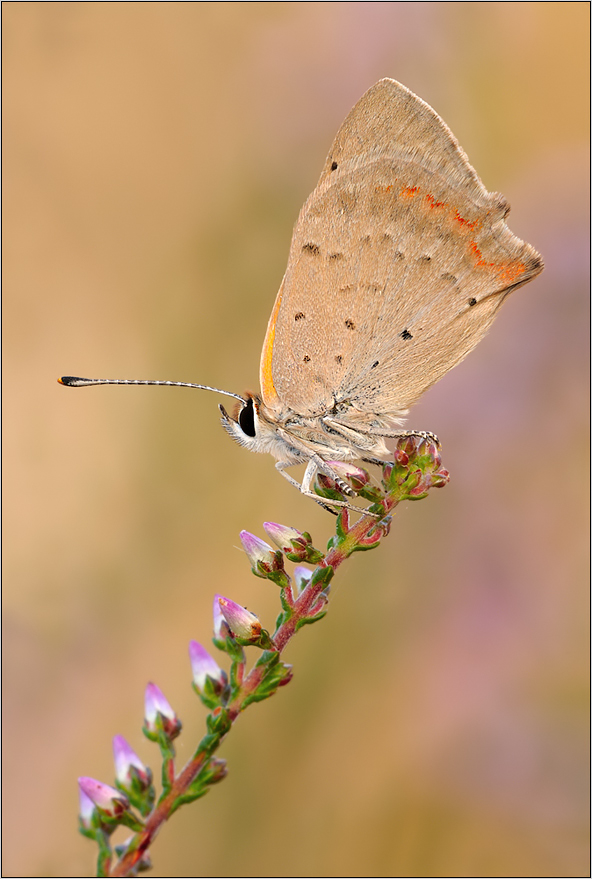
[{"x": 72, "y": 381}]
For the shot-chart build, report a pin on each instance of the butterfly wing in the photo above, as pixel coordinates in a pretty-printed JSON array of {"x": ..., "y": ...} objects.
[{"x": 398, "y": 263}]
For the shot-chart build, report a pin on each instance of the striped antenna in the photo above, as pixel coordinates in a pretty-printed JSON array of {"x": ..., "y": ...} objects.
[{"x": 72, "y": 381}]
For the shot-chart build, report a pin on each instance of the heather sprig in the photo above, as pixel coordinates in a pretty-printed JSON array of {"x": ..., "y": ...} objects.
[{"x": 304, "y": 597}]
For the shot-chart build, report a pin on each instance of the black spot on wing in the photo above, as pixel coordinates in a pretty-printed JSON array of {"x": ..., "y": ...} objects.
[{"x": 406, "y": 335}]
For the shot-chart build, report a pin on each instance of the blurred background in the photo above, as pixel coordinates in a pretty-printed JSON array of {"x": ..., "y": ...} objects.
[{"x": 156, "y": 156}]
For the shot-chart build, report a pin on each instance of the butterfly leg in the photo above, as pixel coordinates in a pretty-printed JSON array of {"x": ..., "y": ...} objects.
[
  {"x": 424, "y": 434},
  {"x": 401, "y": 434},
  {"x": 311, "y": 471},
  {"x": 280, "y": 466},
  {"x": 356, "y": 437}
]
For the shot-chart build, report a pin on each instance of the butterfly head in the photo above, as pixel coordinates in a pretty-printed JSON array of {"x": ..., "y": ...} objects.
[{"x": 254, "y": 426}]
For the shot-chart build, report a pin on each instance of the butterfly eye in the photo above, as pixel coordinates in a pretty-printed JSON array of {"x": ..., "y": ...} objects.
[{"x": 246, "y": 419}]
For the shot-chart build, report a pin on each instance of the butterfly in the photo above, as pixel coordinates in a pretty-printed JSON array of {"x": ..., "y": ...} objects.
[{"x": 399, "y": 261}]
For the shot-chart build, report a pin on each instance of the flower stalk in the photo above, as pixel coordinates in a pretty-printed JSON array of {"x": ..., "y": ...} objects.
[{"x": 415, "y": 469}]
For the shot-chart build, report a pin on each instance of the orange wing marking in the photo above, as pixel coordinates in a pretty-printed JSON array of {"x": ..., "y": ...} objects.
[
  {"x": 508, "y": 271},
  {"x": 267, "y": 386}
]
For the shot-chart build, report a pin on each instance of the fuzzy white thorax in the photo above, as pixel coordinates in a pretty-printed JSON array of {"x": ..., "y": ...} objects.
[{"x": 293, "y": 439}]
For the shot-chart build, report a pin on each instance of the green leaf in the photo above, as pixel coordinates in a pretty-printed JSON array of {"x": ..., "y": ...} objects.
[
  {"x": 308, "y": 620},
  {"x": 188, "y": 797},
  {"x": 218, "y": 722},
  {"x": 141, "y": 797},
  {"x": 321, "y": 576},
  {"x": 212, "y": 695},
  {"x": 276, "y": 675},
  {"x": 340, "y": 529},
  {"x": 287, "y": 609},
  {"x": 234, "y": 681},
  {"x": 234, "y": 650}
]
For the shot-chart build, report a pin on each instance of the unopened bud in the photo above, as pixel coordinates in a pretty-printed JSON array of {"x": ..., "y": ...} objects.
[
  {"x": 155, "y": 705},
  {"x": 86, "y": 808},
  {"x": 241, "y": 621},
  {"x": 203, "y": 666},
  {"x": 302, "y": 577},
  {"x": 265, "y": 561},
  {"x": 216, "y": 770},
  {"x": 128, "y": 765},
  {"x": 358, "y": 477},
  {"x": 221, "y": 630},
  {"x": 401, "y": 457},
  {"x": 283, "y": 535},
  {"x": 109, "y": 800},
  {"x": 257, "y": 550},
  {"x": 296, "y": 545}
]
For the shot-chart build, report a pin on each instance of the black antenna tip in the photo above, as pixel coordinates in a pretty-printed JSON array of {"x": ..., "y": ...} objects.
[{"x": 71, "y": 381}]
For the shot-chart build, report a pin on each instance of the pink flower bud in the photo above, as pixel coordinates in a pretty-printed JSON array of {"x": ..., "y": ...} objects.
[
  {"x": 109, "y": 800},
  {"x": 440, "y": 478},
  {"x": 401, "y": 457},
  {"x": 356, "y": 475},
  {"x": 86, "y": 809},
  {"x": 257, "y": 550},
  {"x": 217, "y": 770},
  {"x": 221, "y": 630},
  {"x": 302, "y": 577},
  {"x": 283, "y": 535},
  {"x": 155, "y": 704},
  {"x": 203, "y": 666},
  {"x": 241, "y": 621},
  {"x": 125, "y": 757}
]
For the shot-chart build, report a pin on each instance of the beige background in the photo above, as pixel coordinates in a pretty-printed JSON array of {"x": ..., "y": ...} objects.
[{"x": 156, "y": 157}]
